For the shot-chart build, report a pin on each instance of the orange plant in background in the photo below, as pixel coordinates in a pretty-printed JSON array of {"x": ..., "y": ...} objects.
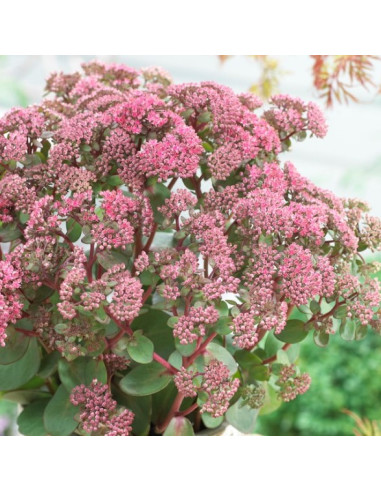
[
  {"x": 334, "y": 76},
  {"x": 365, "y": 427}
]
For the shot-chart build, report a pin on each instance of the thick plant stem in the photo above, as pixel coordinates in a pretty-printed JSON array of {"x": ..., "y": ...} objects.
[
  {"x": 189, "y": 360},
  {"x": 172, "y": 412},
  {"x": 164, "y": 363},
  {"x": 189, "y": 410},
  {"x": 151, "y": 238}
]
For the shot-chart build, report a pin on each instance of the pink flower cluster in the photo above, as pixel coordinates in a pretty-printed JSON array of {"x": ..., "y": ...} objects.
[
  {"x": 194, "y": 324},
  {"x": 245, "y": 331},
  {"x": 175, "y": 148},
  {"x": 209, "y": 229},
  {"x": 291, "y": 116},
  {"x": 368, "y": 301},
  {"x": 215, "y": 382},
  {"x": 219, "y": 387},
  {"x": 10, "y": 305},
  {"x": 300, "y": 279},
  {"x": 292, "y": 385},
  {"x": 98, "y": 410},
  {"x": 127, "y": 297},
  {"x": 179, "y": 201},
  {"x": 238, "y": 134},
  {"x": 183, "y": 380},
  {"x": 76, "y": 291}
]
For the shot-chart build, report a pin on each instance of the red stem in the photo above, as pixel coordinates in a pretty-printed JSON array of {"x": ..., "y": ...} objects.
[
  {"x": 172, "y": 183},
  {"x": 286, "y": 346},
  {"x": 189, "y": 360},
  {"x": 164, "y": 363},
  {"x": 147, "y": 293},
  {"x": 90, "y": 263},
  {"x": 151, "y": 238},
  {"x": 174, "y": 409},
  {"x": 189, "y": 410},
  {"x": 125, "y": 328},
  {"x": 138, "y": 242}
]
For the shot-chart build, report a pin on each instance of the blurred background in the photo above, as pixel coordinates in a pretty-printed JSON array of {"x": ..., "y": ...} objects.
[{"x": 345, "y": 375}]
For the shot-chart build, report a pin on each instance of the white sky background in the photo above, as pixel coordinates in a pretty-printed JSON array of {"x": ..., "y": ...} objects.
[{"x": 347, "y": 160}]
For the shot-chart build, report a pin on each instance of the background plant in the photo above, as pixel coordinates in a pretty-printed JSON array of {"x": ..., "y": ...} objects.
[
  {"x": 333, "y": 76},
  {"x": 98, "y": 164}
]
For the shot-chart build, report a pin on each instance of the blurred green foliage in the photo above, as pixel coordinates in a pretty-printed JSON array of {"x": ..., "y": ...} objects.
[{"x": 344, "y": 375}]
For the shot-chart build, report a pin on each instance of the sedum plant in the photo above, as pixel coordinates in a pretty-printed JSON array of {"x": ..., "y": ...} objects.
[{"x": 160, "y": 263}]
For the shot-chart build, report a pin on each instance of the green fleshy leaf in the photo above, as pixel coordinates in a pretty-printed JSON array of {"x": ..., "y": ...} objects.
[
  {"x": 9, "y": 233},
  {"x": 314, "y": 307},
  {"x": 361, "y": 246},
  {"x": 179, "y": 426},
  {"x": 211, "y": 422},
  {"x": 148, "y": 278},
  {"x": 272, "y": 345},
  {"x": 361, "y": 332},
  {"x": 25, "y": 397},
  {"x": 14, "y": 375},
  {"x": 257, "y": 373},
  {"x": 24, "y": 218},
  {"x": 30, "y": 421},
  {"x": 347, "y": 330},
  {"x": 108, "y": 259},
  {"x": 40, "y": 295},
  {"x": 207, "y": 146},
  {"x": 242, "y": 417},
  {"x": 16, "y": 345},
  {"x": 153, "y": 324},
  {"x": 61, "y": 328},
  {"x": 85, "y": 148},
  {"x": 145, "y": 380},
  {"x": 175, "y": 359},
  {"x": 272, "y": 401},
  {"x": 247, "y": 359},
  {"x": 321, "y": 338},
  {"x": 73, "y": 230},
  {"x": 223, "y": 325},
  {"x": 49, "y": 364},
  {"x": 205, "y": 117},
  {"x": 114, "y": 180},
  {"x": 140, "y": 348},
  {"x": 172, "y": 321},
  {"x": 157, "y": 198},
  {"x": 187, "y": 349},
  {"x": 293, "y": 332},
  {"x": 222, "y": 308},
  {"x": 340, "y": 312},
  {"x": 59, "y": 414},
  {"x": 282, "y": 357},
  {"x": 87, "y": 239},
  {"x": 81, "y": 371},
  {"x": 293, "y": 352},
  {"x": 188, "y": 183},
  {"x": 220, "y": 353}
]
